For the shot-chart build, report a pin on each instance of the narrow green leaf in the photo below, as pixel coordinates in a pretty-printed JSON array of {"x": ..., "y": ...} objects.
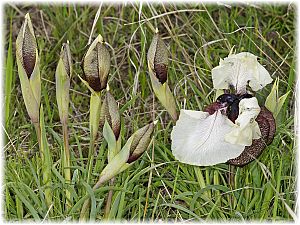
[
  {"x": 109, "y": 136},
  {"x": 280, "y": 103},
  {"x": 27, "y": 203},
  {"x": 46, "y": 159},
  {"x": 8, "y": 78},
  {"x": 271, "y": 100}
]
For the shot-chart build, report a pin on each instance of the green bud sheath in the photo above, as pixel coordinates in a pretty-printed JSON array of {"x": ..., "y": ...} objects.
[
  {"x": 158, "y": 69},
  {"x": 115, "y": 164},
  {"x": 96, "y": 65},
  {"x": 273, "y": 102},
  {"x": 62, "y": 75},
  {"x": 135, "y": 146},
  {"x": 28, "y": 69}
]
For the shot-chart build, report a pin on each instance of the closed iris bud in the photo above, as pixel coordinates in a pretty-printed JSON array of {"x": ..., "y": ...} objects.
[
  {"x": 28, "y": 69},
  {"x": 158, "y": 70},
  {"x": 26, "y": 47},
  {"x": 110, "y": 113},
  {"x": 65, "y": 56},
  {"x": 96, "y": 64},
  {"x": 158, "y": 58},
  {"x": 62, "y": 75},
  {"x": 135, "y": 146},
  {"x": 140, "y": 142}
]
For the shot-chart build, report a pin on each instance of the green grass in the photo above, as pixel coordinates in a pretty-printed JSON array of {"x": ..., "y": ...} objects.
[{"x": 157, "y": 187}]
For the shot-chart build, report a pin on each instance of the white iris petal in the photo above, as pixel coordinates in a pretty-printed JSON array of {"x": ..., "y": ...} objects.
[
  {"x": 198, "y": 138},
  {"x": 238, "y": 70},
  {"x": 246, "y": 128}
]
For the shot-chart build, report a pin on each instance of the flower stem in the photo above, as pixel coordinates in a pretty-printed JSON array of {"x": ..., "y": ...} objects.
[
  {"x": 86, "y": 205},
  {"x": 231, "y": 182},
  {"x": 90, "y": 159},
  {"x": 108, "y": 201},
  {"x": 46, "y": 159},
  {"x": 38, "y": 133},
  {"x": 95, "y": 105},
  {"x": 66, "y": 157}
]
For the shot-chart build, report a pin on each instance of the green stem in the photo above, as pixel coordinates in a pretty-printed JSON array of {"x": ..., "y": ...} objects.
[
  {"x": 46, "y": 158},
  {"x": 38, "y": 133},
  {"x": 90, "y": 159},
  {"x": 86, "y": 205},
  {"x": 109, "y": 199},
  {"x": 231, "y": 183},
  {"x": 95, "y": 105},
  {"x": 67, "y": 164}
]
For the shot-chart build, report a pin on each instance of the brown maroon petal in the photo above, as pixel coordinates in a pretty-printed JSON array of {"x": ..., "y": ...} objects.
[
  {"x": 233, "y": 111},
  {"x": 161, "y": 72},
  {"x": 94, "y": 82},
  {"x": 267, "y": 115},
  {"x": 132, "y": 158},
  {"x": 266, "y": 123},
  {"x": 28, "y": 51},
  {"x": 212, "y": 108}
]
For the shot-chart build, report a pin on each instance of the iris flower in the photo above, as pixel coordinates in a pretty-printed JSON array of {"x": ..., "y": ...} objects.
[{"x": 234, "y": 129}]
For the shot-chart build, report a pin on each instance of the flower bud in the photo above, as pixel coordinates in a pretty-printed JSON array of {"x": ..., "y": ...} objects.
[
  {"x": 28, "y": 69},
  {"x": 26, "y": 50},
  {"x": 158, "y": 58},
  {"x": 62, "y": 75},
  {"x": 140, "y": 142},
  {"x": 96, "y": 64},
  {"x": 110, "y": 112},
  {"x": 158, "y": 66},
  {"x": 135, "y": 146},
  {"x": 273, "y": 102}
]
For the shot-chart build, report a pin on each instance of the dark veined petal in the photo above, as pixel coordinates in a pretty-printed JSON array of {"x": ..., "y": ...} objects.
[
  {"x": 66, "y": 57},
  {"x": 90, "y": 68},
  {"x": 158, "y": 58},
  {"x": 29, "y": 47},
  {"x": 267, "y": 125},
  {"x": 103, "y": 64},
  {"x": 140, "y": 142},
  {"x": 96, "y": 65},
  {"x": 110, "y": 112}
]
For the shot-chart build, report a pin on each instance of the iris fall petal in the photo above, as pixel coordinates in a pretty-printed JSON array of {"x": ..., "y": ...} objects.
[{"x": 198, "y": 138}]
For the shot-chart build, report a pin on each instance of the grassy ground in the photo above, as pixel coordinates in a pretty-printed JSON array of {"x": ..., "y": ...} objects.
[{"x": 157, "y": 187}]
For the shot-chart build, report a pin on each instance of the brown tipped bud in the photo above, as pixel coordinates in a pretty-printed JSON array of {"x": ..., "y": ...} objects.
[
  {"x": 96, "y": 64},
  {"x": 110, "y": 113},
  {"x": 140, "y": 142},
  {"x": 62, "y": 78},
  {"x": 28, "y": 69},
  {"x": 158, "y": 58},
  {"x": 65, "y": 55},
  {"x": 27, "y": 47}
]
